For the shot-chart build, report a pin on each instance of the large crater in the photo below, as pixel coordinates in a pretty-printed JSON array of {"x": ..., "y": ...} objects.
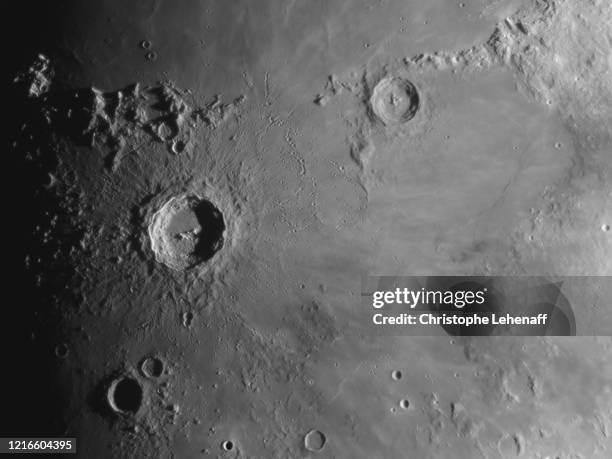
[
  {"x": 186, "y": 231},
  {"x": 395, "y": 100}
]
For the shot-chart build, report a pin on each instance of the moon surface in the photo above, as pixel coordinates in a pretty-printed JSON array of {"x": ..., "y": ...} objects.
[
  {"x": 395, "y": 100},
  {"x": 206, "y": 184}
]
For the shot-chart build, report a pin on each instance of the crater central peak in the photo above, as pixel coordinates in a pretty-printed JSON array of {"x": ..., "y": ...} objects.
[{"x": 186, "y": 231}]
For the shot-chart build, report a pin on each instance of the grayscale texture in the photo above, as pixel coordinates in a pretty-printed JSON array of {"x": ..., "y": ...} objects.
[{"x": 209, "y": 181}]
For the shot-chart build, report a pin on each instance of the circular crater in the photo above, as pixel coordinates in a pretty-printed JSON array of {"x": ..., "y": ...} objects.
[
  {"x": 61, "y": 350},
  {"x": 395, "y": 100},
  {"x": 396, "y": 375},
  {"x": 186, "y": 232},
  {"x": 227, "y": 445},
  {"x": 125, "y": 395},
  {"x": 178, "y": 146},
  {"x": 314, "y": 441},
  {"x": 152, "y": 367}
]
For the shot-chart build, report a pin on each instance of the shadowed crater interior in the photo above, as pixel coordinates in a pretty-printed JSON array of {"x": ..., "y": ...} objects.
[
  {"x": 152, "y": 367},
  {"x": 210, "y": 238},
  {"x": 125, "y": 395}
]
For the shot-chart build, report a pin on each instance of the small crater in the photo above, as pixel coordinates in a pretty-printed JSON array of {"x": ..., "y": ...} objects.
[
  {"x": 178, "y": 146},
  {"x": 173, "y": 408},
  {"x": 187, "y": 318},
  {"x": 145, "y": 44},
  {"x": 396, "y": 375},
  {"x": 165, "y": 131},
  {"x": 227, "y": 445},
  {"x": 125, "y": 395},
  {"x": 395, "y": 100},
  {"x": 404, "y": 404},
  {"x": 605, "y": 227},
  {"x": 61, "y": 350},
  {"x": 510, "y": 446},
  {"x": 186, "y": 231},
  {"x": 152, "y": 367},
  {"x": 315, "y": 441},
  {"x": 151, "y": 56}
]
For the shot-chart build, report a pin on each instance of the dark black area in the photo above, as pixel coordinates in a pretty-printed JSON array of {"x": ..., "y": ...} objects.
[
  {"x": 127, "y": 395},
  {"x": 32, "y": 325},
  {"x": 210, "y": 239}
]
